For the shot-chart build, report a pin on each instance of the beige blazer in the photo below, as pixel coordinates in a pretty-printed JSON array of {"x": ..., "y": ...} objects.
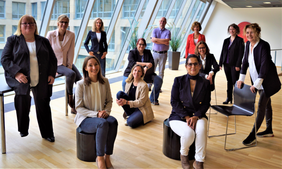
[
  {"x": 64, "y": 53},
  {"x": 142, "y": 100},
  {"x": 83, "y": 100}
]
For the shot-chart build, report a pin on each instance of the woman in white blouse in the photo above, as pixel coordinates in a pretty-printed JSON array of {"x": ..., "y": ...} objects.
[{"x": 93, "y": 102}]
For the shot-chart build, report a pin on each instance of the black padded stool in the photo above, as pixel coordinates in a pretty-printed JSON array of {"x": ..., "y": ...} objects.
[
  {"x": 171, "y": 143},
  {"x": 85, "y": 146}
]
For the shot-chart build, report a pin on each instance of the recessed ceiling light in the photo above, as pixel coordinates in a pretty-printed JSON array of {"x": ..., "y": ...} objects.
[
  {"x": 267, "y": 2},
  {"x": 249, "y": 6}
]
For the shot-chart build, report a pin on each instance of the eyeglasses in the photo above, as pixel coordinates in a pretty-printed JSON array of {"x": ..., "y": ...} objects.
[
  {"x": 30, "y": 24},
  {"x": 195, "y": 64},
  {"x": 64, "y": 22},
  {"x": 140, "y": 44},
  {"x": 202, "y": 48}
]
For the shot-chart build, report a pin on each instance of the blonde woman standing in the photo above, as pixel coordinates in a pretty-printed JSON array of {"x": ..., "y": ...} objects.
[{"x": 99, "y": 46}]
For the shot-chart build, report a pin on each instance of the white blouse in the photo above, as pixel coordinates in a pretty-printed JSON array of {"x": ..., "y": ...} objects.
[{"x": 34, "y": 70}]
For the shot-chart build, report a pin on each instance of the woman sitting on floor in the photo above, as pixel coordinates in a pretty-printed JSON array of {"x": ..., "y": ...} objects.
[
  {"x": 135, "y": 100},
  {"x": 93, "y": 103}
]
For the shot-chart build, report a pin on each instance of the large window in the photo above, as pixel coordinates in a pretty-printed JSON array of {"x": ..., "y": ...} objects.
[
  {"x": 163, "y": 8},
  {"x": 129, "y": 8},
  {"x": 2, "y": 33},
  {"x": 43, "y": 3},
  {"x": 18, "y": 10},
  {"x": 2, "y": 9},
  {"x": 103, "y": 9},
  {"x": 14, "y": 29},
  {"x": 34, "y": 10},
  {"x": 61, "y": 7},
  {"x": 79, "y": 8}
]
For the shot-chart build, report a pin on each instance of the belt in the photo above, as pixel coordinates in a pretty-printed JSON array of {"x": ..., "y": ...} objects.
[
  {"x": 159, "y": 51},
  {"x": 97, "y": 52}
]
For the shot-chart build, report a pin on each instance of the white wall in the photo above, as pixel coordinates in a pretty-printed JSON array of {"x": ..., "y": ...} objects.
[{"x": 269, "y": 19}]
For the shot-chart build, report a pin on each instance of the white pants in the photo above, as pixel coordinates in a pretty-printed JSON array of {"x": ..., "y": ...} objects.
[
  {"x": 160, "y": 60},
  {"x": 188, "y": 135}
]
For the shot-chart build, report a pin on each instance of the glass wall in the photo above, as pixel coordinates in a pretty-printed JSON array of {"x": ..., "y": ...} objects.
[{"x": 180, "y": 14}]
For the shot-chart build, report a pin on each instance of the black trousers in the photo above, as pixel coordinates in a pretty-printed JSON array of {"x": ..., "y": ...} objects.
[
  {"x": 231, "y": 76},
  {"x": 43, "y": 111},
  {"x": 264, "y": 110}
]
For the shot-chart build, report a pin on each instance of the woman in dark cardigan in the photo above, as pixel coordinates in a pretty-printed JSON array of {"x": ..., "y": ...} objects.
[
  {"x": 231, "y": 57},
  {"x": 144, "y": 57}
]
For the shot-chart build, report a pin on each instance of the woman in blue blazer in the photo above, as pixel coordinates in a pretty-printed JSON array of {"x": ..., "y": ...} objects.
[
  {"x": 190, "y": 99},
  {"x": 231, "y": 57},
  {"x": 30, "y": 63},
  {"x": 264, "y": 79},
  {"x": 99, "y": 46}
]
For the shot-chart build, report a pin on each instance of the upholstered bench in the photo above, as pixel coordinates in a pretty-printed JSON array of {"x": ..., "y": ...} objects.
[
  {"x": 171, "y": 143},
  {"x": 85, "y": 146}
]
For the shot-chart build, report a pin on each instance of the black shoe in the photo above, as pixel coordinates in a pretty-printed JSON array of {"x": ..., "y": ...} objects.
[
  {"x": 265, "y": 134},
  {"x": 23, "y": 134},
  {"x": 50, "y": 139},
  {"x": 251, "y": 139},
  {"x": 227, "y": 100},
  {"x": 161, "y": 91}
]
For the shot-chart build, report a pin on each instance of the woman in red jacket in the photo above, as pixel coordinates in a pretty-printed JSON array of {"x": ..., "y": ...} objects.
[{"x": 194, "y": 38}]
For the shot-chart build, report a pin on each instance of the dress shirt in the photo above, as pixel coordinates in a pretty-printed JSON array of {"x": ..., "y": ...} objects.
[
  {"x": 98, "y": 36},
  {"x": 161, "y": 34},
  {"x": 204, "y": 65},
  {"x": 34, "y": 75}
]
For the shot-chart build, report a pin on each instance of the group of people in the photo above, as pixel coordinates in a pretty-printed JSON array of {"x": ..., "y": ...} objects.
[{"x": 31, "y": 62}]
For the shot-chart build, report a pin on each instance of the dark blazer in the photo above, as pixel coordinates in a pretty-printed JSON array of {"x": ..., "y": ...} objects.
[
  {"x": 101, "y": 46},
  {"x": 15, "y": 58},
  {"x": 182, "y": 102},
  {"x": 211, "y": 65},
  {"x": 265, "y": 67},
  {"x": 235, "y": 52},
  {"x": 133, "y": 57}
]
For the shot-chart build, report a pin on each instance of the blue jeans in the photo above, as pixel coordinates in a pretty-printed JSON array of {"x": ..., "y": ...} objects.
[
  {"x": 158, "y": 81},
  {"x": 123, "y": 83},
  {"x": 102, "y": 63},
  {"x": 72, "y": 75},
  {"x": 135, "y": 118},
  {"x": 106, "y": 131}
]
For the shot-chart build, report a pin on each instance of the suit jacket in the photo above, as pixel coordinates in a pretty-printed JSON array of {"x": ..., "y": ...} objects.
[
  {"x": 235, "y": 52},
  {"x": 83, "y": 100},
  {"x": 64, "y": 53},
  {"x": 15, "y": 58},
  {"x": 133, "y": 57},
  {"x": 265, "y": 67},
  {"x": 142, "y": 101},
  {"x": 211, "y": 65},
  {"x": 182, "y": 102},
  {"x": 101, "y": 46},
  {"x": 190, "y": 45}
]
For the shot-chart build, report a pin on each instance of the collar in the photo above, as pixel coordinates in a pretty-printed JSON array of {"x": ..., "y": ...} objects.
[
  {"x": 204, "y": 58},
  {"x": 255, "y": 44}
]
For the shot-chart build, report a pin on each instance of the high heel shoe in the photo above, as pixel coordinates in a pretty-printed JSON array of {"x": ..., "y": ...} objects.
[{"x": 227, "y": 100}]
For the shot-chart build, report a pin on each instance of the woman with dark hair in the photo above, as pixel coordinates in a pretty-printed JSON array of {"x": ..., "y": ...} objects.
[
  {"x": 190, "y": 99},
  {"x": 30, "y": 63},
  {"x": 62, "y": 42},
  {"x": 144, "y": 57},
  {"x": 209, "y": 64},
  {"x": 194, "y": 38},
  {"x": 93, "y": 102},
  {"x": 99, "y": 46},
  {"x": 134, "y": 100},
  {"x": 231, "y": 57},
  {"x": 264, "y": 78}
]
